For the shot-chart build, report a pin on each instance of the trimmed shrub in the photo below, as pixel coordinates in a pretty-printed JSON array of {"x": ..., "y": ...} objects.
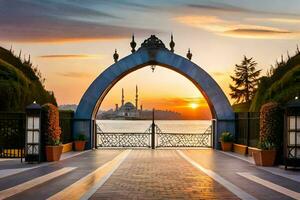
[
  {"x": 271, "y": 126},
  {"x": 52, "y": 128}
]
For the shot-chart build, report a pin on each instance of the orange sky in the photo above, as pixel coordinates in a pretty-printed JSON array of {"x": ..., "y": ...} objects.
[
  {"x": 72, "y": 42},
  {"x": 162, "y": 89}
]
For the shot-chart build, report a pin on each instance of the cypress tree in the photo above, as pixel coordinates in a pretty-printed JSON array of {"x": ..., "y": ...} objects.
[{"x": 245, "y": 81}]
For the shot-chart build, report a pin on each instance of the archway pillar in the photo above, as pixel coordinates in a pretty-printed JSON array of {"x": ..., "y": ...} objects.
[
  {"x": 220, "y": 126},
  {"x": 85, "y": 127}
]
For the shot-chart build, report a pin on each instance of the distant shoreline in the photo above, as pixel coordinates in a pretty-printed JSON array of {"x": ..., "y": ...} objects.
[{"x": 154, "y": 119}]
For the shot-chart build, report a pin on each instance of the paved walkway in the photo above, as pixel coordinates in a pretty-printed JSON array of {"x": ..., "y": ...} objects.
[
  {"x": 13, "y": 166},
  {"x": 150, "y": 174},
  {"x": 83, "y": 164},
  {"x": 160, "y": 174},
  {"x": 241, "y": 173}
]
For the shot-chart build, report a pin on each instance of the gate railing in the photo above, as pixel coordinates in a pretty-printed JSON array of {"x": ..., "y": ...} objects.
[
  {"x": 131, "y": 139},
  {"x": 185, "y": 139},
  {"x": 12, "y": 134},
  {"x": 112, "y": 139}
]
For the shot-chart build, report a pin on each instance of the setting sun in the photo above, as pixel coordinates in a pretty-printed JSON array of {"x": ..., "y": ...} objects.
[{"x": 193, "y": 105}]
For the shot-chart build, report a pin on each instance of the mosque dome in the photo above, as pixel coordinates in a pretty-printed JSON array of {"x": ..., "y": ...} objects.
[{"x": 128, "y": 106}]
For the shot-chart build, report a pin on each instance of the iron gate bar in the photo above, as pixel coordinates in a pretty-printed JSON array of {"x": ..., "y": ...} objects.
[
  {"x": 138, "y": 139},
  {"x": 12, "y": 134},
  {"x": 113, "y": 139},
  {"x": 183, "y": 140}
]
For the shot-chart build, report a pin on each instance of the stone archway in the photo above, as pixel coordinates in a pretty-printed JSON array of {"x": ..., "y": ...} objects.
[{"x": 153, "y": 52}]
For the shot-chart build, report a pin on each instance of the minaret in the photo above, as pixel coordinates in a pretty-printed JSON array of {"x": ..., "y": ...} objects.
[
  {"x": 136, "y": 97},
  {"x": 122, "y": 101}
]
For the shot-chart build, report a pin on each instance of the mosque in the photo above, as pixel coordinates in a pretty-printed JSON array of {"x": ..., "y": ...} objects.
[
  {"x": 127, "y": 110},
  {"x": 130, "y": 111}
]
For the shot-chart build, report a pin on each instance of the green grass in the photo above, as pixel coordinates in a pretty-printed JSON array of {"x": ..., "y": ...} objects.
[
  {"x": 19, "y": 86},
  {"x": 281, "y": 87}
]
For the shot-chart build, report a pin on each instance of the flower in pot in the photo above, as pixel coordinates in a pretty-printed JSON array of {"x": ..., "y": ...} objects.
[
  {"x": 266, "y": 154},
  {"x": 53, "y": 132},
  {"x": 226, "y": 141},
  {"x": 80, "y": 142}
]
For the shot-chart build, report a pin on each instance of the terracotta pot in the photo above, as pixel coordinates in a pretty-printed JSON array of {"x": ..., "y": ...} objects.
[
  {"x": 264, "y": 157},
  {"x": 251, "y": 150},
  {"x": 226, "y": 146},
  {"x": 79, "y": 145},
  {"x": 53, "y": 153},
  {"x": 240, "y": 149}
]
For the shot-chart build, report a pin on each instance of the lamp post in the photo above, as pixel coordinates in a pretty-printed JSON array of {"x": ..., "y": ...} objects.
[
  {"x": 292, "y": 134},
  {"x": 33, "y": 133}
]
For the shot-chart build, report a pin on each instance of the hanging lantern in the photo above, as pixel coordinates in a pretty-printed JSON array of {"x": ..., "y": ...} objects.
[{"x": 152, "y": 67}]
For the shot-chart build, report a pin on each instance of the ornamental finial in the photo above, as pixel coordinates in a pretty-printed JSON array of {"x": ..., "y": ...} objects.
[
  {"x": 116, "y": 56},
  {"x": 153, "y": 43},
  {"x": 189, "y": 54},
  {"x": 132, "y": 44},
  {"x": 172, "y": 44}
]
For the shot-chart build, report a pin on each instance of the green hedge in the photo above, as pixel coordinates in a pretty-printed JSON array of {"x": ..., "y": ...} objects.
[
  {"x": 281, "y": 87},
  {"x": 19, "y": 86},
  {"x": 271, "y": 124},
  {"x": 66, "y": 124}
]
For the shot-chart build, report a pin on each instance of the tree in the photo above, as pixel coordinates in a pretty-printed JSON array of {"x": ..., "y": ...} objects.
[{"x": 245, "y": 81}]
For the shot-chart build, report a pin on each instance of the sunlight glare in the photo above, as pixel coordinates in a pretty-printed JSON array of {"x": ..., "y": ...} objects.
[{"x": 193, "y": 105}]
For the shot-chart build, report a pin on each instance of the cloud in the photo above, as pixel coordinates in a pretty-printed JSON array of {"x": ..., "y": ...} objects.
[
  {"x": 258, "y": 33},
  {"x": 218, "y": 7},
  {"x": 276, "y": 20},
  {"x": 74, "y": 74},
  {"x": 19, "y": 8},
  {"x": 210, "y": 23},
  {"x": 234, "y": 29},
  {"x": 33, "y": 21},
  {"x": 69, "y": 56},
  {"x": 178, "y": 101},
  {"x": 46, "y": 29},
  {"x": 184, "y": 102},
  {"x": 223, "y": 7},
  {"x": 117, "y": 3}
]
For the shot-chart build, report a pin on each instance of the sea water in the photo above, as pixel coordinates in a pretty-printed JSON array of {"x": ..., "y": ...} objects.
[{"x": 166, "y": 126}]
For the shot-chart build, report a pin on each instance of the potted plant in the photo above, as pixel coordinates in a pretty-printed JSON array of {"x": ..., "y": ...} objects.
[
  {"x": 80, "y": 142},
  {"x": 52, "y": 130},
  {"x": 226, "y": 141},
  {"x": 265, "y": 155},
  {"x": 270, "y": 134},
  {"x": 54, "y": 151}
]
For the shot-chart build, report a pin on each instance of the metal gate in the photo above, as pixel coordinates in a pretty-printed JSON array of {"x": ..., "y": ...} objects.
[
  {"x": 153, "y": 137},
  {"x": 12, "y": 134},
  {"x": 185, "y": 139}
]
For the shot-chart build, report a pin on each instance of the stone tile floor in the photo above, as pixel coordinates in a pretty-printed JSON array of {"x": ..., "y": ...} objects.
[
  {"x": 160, "y": 174},
  {"x": 155, "y": 174}
]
